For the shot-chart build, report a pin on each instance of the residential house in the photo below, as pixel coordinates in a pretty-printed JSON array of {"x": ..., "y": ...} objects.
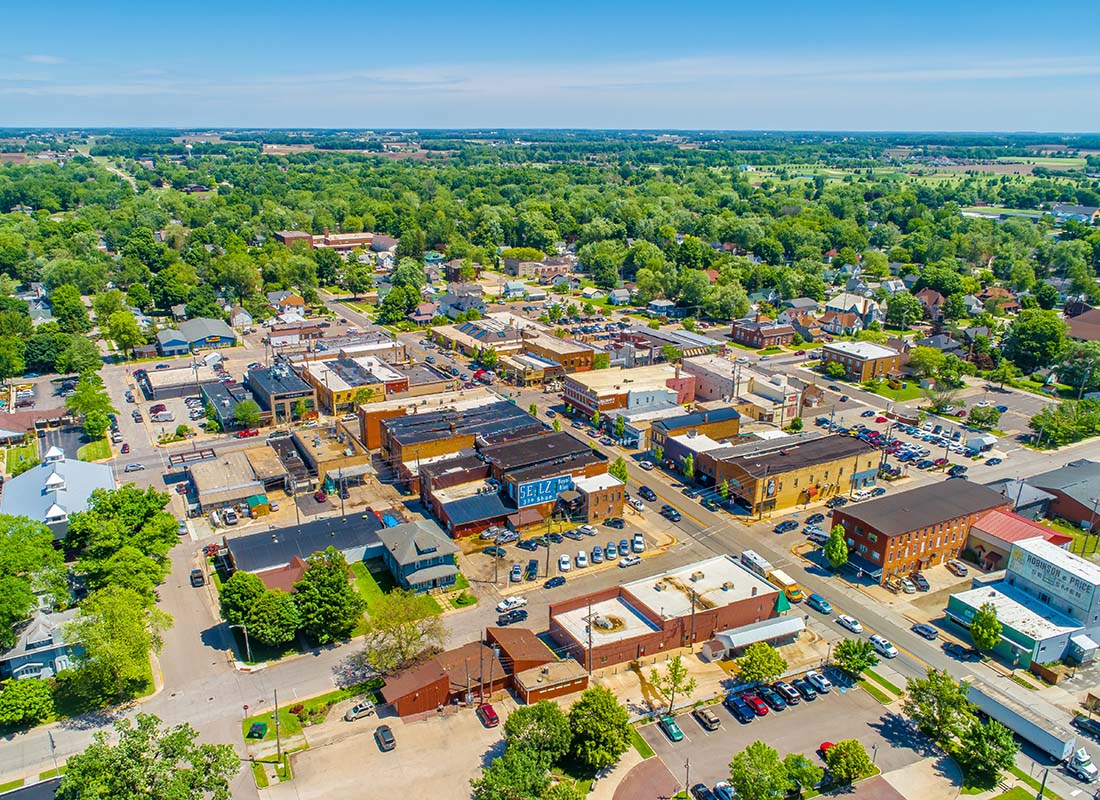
[
  {"x": 1085, "y": 327},
  {"x": 841, "y": 323},
  {"x": 419, "y": 555},
  {"x": 424, "y": 313},
  {"x": 1090, "y": 215},
  {"x": 999, "y": 300},
  {"x": 179, "y": 312},
  {"x": 461, "y": 298},
  {"x": 803, "y": 305},
  {"x": 452, "y": 270},
  {"x": 514, "y": 290},
  {"x": 592, "y": 293},
  {"x": 239, "y": 318},
  {"x": 945, "y": 344},
  {"x": 769, "y": 296},
  {"x": 932, "y": 301},
  {"x": 562, "y": 279},
  {"x": 974, "y": 306},
  {"x": 618, "y": 297},
  {"x": 868, "y": 310},
  {"x": 893, "y": 286},
  {"x": 760, "y": 332},
  {"x": 381, "y": 243},
  {"x": 910, "y": 280},
  {"x": 858, "y": 286},
  {"x": 807, "y": 326},
  {"x": 40, "y": 649},
  {"x": 661, "y": 308},
  {"x": 285, "y": 300}
]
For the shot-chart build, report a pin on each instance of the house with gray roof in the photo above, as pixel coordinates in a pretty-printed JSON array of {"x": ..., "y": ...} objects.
[
  {"x": 54, "y": 489},
  {"x": 40, "y": 649},
  {"x": 170, "y": 342},
  {"x": 420, "y": 555},
  {"x": 618, "y": 297},
  {"x": 203, "y": 333},
  {"x": 1076, "y": 490}
]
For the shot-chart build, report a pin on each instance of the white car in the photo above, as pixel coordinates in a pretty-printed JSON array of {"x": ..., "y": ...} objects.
[
  {"x": 883, "y": 647},
  {"x": 509, "y": 603},
  {"x": 819, "y": 682},
  {"x": 851, "y": 623},
  {"x": 629, "y": 561},
  {"x": 582, "y": 560},
  {"x": 564, "y": 563},
  {"x": 637, "y": 544},
  {"x": 587, "y": 530},
  {"x": 636, "y": 504},
  {"x": 646, "y": 465}
]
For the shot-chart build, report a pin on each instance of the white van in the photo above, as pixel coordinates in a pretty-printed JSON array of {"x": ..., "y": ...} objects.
[{"x": 861, "y": 494}]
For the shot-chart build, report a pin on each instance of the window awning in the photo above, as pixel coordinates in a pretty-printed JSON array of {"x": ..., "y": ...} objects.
[{"x": 763, "y": 631}]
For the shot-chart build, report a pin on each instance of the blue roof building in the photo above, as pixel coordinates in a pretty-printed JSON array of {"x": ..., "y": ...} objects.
[{"x": 54, "y": 489}]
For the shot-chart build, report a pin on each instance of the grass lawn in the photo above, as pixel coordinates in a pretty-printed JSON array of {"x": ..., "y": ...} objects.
[
  {"x": 640, "y": 744},
  {"x": 874, "y": 691},
  {"x": 7, "y": 787},
  {"x": 95, "y": 451},
  {"x": 52, "y": 773},
  {"x": 461, "y": 583},
  {"x": 1015, "y": 793},
  {"x": 911, "y": 392},
  {"x": 20, "y": 453},
  {"x": 289, "y": 723},
  {"x": 1034, "y": 783},
  {"x": 881, "y": 681}
]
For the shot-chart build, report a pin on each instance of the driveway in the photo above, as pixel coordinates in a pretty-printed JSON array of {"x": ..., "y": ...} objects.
[
  {"x": 435, "y": 757},
  {"x": 851, "y": 714}
]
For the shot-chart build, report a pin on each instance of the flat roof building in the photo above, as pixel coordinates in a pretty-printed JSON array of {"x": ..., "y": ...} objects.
[
  {"x": 607, "y": 390},
  {"x": 862, "y": 361},
  {"x": 662, "y": 613},
  {"x": 163, "y": 384},
  {"x": 278, "y": 390},
  {"x": 228, "y": 480}
]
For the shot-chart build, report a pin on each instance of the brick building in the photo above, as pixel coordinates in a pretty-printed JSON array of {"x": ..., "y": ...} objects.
[
  {"x": 862, "y": 361},
  {"x": 606, "y": 390},
  {"x": 761, "y": 332},
  {"x": 909, "y": 531},
  {"x": 661, "y": 613},
  {"x": 599, "y": 497}
]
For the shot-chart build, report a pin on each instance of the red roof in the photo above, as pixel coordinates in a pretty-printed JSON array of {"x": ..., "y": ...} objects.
[
  {"x": 283, "y": 578},
  {"x": 1009, "y": 527}
]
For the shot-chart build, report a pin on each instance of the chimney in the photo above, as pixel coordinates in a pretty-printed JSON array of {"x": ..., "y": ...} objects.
[{"x": 677, "y": 372}]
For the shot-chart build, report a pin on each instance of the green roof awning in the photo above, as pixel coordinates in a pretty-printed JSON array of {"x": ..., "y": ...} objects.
[
  {"x": 258, "y": 500},
  {"x": 782, "y": 604}
]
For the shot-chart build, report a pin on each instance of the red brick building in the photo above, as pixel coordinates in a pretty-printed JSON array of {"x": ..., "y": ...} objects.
[
  {"x": 661, "y": 613},
  {"x": 761, "y": 332},
  {"x": 902, "y": 533}
]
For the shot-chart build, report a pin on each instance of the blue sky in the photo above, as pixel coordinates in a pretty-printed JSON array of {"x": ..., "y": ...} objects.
[{"x": 599, "y": 64}]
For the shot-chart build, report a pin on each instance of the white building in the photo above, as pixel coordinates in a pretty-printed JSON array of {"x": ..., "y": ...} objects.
[{"x": 765, "y": 398}]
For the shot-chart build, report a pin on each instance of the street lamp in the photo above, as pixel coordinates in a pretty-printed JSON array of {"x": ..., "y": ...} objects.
[{"x": 874, "y": 753}]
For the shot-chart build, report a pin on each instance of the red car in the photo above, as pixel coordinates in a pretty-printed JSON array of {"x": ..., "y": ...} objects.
[
  {"x": 247, "y": 432},
  {"x": 181, "y": 488},
  {"x": 125, "y": 447},
  {"x": 487, "y": 715},
  {"x": 758, "y": 706},
  {"x": 157, "y": 408},
  {"x": 320, "y": 496},
  {"x": 939, "y": 462},
  {"x": 825, "y": 748},
  {"x": 880, "y": 419}
]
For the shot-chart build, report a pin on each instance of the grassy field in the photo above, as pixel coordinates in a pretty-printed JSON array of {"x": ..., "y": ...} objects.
[
  {"x": 912, "y": 391},
  {"x": 1033, "y": 783},
  {"x": 640, "y": 744},
  {"x": 1016, "y": 793},
  {"x": 95, "y": 451},
  {"x": 996, "y": 210},
  {"x": 874, "y": 691},
  {"x": 881, "y": 681},
  {"x": 21, "y": 452}
]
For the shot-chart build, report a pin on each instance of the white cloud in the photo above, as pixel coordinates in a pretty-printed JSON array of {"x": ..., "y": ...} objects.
[{"x": 42, "y": 58}]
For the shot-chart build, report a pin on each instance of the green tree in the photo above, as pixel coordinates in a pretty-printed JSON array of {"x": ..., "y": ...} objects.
[
  {"x": 924, "y": 362},
  {"x": 247, "y": 413},
  {"x": 985, "y": 628},
  {"x": 556, "y": 425},
  {"x": 489, "y": 358},
  {"x": 29, "y": 563},
  {"x": 118, "y": 633},
  {"x": 618, "y": 469},
  {"x": 796, "y": 424},
  {"x": 836, "y": 548},
  {"x": 761, "y": 663},
  {"x": 563, "y": 791},
  {"x": 985, "y": 751},
  {"x": 69, "y": 310},
  {"x": 1047, "y": 296},
  {"x": 804, "y": 774},
  {"x": 854, "y": 656},
  {"x": 1036, "y": 339},
  {"x": 674, "y": 681},
  {"x": 95, "y": 425},
  {"x": 670, "y": 353},
  {"x": 408, "y": 273},
  {"x": 122, "y": 329},
  {"x": 848, "y": 761},
  {"x": 620, "y": 427},
  {"x": 689, "y": 466},
  {"x": 903, "y": 309},
  {"x": 658, "y": 453},
  {"x": 26, "y": 702},
  {"x": 1004, "y": 372},
  {"x": 596, "y": 419},
  {"x": 151, "y": 762},
  {"x": 937, "y": 703},
  {"x": 12, "y": 354},
  {"x": 724, "y": 489},
  {"x": 273, "y": 618},
  {"x": 834, "y": 370},
  {"x": 239, "y": 594},
  {"x": 107, "y": 303},
  {"x": 89, "y": 396},
  {"x": 533, "y": 409},
  {"x": 601, "y": 361},
  {"x": 954, "y": 307},
  {"x": 1080, "y": 366},
  {"x": 756, "y": 773},
  {"x": 357, "y": 279},
  {"x": 542, "y": 727},
  {"x": 128, "y": 568},
  {"x": 80, "y": 355},
  {"x": 520, "y": 774},
  {"x": 601, "y": 728},
  {"x": 139, "y": 296},
  {"x": 985, "y": 417},
  {"x": 400, "y": 628},
  {"x": 330, "y": 609}
]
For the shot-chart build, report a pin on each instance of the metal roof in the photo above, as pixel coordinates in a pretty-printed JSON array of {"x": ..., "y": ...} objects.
[
  {"x": 556, "y": 445},
  {"x": 494, "y": 422},
  {"x": 1078, "y": 479},
  {"x": 923, "y": 506},
  {"x": 66, "y": 483},
  {"x": 476, "y": 508},
  {"x": 274, "y": 548},
  {"x": 202, "y": 327}
]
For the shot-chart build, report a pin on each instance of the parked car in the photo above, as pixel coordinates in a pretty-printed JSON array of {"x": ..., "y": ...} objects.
[
  {"x": 494, "y": 552},
  {"x": 957, "y": 568},
  {"x": 805, "y": 688},
  {"x": 822, "y": 684},
  {"x": 907, "y": 585},
  {"x": 512, "y": 617},
  {"x": 926, "y": 631},
  {"x": 197, "y": 578},
  {"x": 385, "y": 738},
  {"x": 758, "y": 706},
  {"x": 883, "y": 647},
  {"x": 1087, "y": 725},
  {"x": 739, "y": 708},
  {"x": 516, "y": 573},
  {"x": 555, "y": 582},
  {"x": 787, "y": 692},
  {"x": 637, "y": 544},
  {"x": 647, "y": 494},
  {"x": 581, "y": 560},
  {"x": 701, "y": 791},
  {"x": 774, "y": 700},
  {"x": 636, "y": 504},
  {"x": 359, "y": 710},
  {"x": 724, "y": 791},
  {"x": 587, "y": 530},
  {"x": 247, "y": 433},
  {"x": 320, "y": 496},
  {"x": 618, "y": 523},
  {"x": 815, "y": 519},
  {"x": 786, "y": 525},
  {"x": 668, "y": 724},
  {"x": 125, "y": 448},
  {"x": 136, "y": 467},
  {"x": 629, "y": 561},
  {"x": 646, "y": 465},
  {"x": 487, "y": 715},
  {"x": 849, "y": 622},
  {"x": 920, "y": 581},
  {"x": 707, "y": 718},
  {"x": 509, "y": 603},
  {"x": 992, "y": 462}
]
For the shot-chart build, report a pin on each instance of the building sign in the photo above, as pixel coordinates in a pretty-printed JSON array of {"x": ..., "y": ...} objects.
[
  {"x": 212, "y": 339},
  {"x": 544, "y": 491},
  {"x": 770, "y": 492},
  {"x": 1059, "y": 582}
]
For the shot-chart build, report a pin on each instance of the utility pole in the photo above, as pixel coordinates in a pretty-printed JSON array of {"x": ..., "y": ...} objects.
[
  {"x": 589, "y": 619},
  {"x": 693, "y": 595},
  {"x": 1043, "y": 785},
  {"x": 481, "y": 675},
  {"x": 278, "y": 737},
  {"x": 687, "y": 773}
]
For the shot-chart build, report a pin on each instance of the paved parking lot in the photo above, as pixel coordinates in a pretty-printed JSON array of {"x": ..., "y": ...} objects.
[
  {"x": 68, "y": 439},
  {"x": 850, "y": 714},
  {"x": 435, "y": 758}
]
